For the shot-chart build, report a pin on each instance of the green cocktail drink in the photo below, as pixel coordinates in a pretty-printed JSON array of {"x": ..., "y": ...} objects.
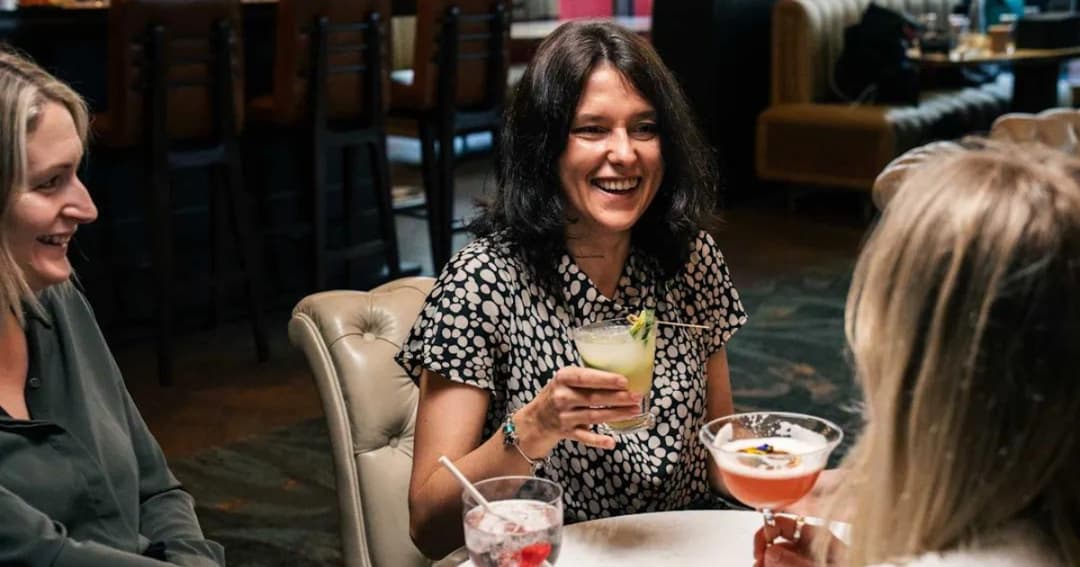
[{"x": 625, "y": 348}]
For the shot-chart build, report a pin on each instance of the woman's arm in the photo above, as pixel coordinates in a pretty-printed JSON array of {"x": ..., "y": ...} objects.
[
  {"x": 166, "y": 511},
  {"x": 450, "y": 421},
  {"x": 720, "y": 403},
  {"x": 29, "y": 537}
]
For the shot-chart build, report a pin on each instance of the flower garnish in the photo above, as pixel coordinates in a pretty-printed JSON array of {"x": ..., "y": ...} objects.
[
  {"x": 759, "y": 457},
  {"x": 642, "y": 324}
]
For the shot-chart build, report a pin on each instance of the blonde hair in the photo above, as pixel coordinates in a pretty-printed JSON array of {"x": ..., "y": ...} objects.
[
  {"x": 964, "y": 324},
  {"x": 24, "y": 90}
]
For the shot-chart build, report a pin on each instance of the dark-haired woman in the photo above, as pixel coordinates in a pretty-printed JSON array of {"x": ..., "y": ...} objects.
[{"x": 604, "y": 187}]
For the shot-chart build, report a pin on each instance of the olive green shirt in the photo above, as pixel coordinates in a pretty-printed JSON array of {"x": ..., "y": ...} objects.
[{"x": 83, "y": 482}]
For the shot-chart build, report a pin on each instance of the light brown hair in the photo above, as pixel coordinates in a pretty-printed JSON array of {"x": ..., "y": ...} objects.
[
  {"x": 24, "y": 89},
  {"x": 964, "y": 324}
]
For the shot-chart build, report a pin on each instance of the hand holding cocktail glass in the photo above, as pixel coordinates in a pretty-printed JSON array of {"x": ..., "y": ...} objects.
[
  {"x": 572, "y": 402},
  {"x": 797, "y": 546},
  {"x": 769, "y": 460},
  {"x": 612, "y": 391},
  {"x": 625, "y": 346}
]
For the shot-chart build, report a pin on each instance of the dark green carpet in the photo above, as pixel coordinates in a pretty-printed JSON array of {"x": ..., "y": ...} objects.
[
  {"x": 791, "y": 354},
  {"x": 270, "y": 500}
]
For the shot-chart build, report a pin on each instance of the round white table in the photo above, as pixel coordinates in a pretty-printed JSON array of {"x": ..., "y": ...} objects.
[
  {"x": 687, "y": 538},
  {"x": 698, "y": 537}
]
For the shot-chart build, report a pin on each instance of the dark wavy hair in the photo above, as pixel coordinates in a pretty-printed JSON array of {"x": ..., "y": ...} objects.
[{"x": 529, "y": 207}]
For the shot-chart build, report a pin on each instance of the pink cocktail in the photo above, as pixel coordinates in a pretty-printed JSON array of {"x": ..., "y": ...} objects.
[
  {"x": 522, "y": 527},
  {"x": 770, "y": 460}
]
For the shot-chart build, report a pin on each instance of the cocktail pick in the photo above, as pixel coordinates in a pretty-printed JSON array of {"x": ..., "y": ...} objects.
[
  {"x": 632, "y": 317},
  {"x": 689, "y": 325},
  {"x": 468, "y": 486}
]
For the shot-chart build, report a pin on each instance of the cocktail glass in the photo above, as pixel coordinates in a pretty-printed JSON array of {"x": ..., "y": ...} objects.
[
  {"x": 769, "y": 460},
  {"x": 523, "y": 527},
  {"x": 609, "y": 345}
]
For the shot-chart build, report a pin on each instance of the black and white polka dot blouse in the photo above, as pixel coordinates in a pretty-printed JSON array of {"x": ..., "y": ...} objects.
[{"x": 488, "y": 324}]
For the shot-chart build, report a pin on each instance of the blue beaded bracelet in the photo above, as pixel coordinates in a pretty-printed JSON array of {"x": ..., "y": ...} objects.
[{"x": 510, "y": 439}]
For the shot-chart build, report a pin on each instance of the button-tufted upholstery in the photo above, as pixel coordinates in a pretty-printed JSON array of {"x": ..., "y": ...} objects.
[
  {"x": 805, "y": 137},
  {"x": 1058, "y": 128},
  {"x": 350, "y": 338}
]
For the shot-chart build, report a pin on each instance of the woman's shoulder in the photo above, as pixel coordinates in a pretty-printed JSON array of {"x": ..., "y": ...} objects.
[
  {"x": 706, "y": 261},
  {"x": 490, "y": 257},
  {"x": 1020, "y": 544},
  {"x": 703, "y": 242}
]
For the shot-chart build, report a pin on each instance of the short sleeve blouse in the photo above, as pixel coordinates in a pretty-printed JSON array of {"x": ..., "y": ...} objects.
[{"x": 488, "y": 323}]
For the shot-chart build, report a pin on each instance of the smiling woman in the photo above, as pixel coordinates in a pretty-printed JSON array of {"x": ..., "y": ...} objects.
[
  {"x": 53, "y": 201},
  {"x": 611, "y": 167},
  {"x": 605, "y": 192},
  {"x": 82, "y": 481}
]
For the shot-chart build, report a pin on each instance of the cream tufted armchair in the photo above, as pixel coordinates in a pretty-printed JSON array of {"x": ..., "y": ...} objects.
[
  {"x": 350, "y": 338},
  {"x": 1056, "y": 127}
]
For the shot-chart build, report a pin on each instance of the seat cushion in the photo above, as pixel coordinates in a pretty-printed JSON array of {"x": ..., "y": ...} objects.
[
  {"x": 847, "y": 146},
  {"x": 824, "y": 144}
]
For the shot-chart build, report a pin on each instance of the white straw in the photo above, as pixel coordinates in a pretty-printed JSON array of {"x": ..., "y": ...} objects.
[
  {"x": 465, "y": 482},
  {"x": 472, "y": 489}
]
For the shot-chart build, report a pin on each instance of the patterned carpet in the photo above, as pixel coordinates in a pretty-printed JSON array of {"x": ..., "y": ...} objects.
[
  {"x": 270, "y": 500},
  {"x": 791, "y": 356}
]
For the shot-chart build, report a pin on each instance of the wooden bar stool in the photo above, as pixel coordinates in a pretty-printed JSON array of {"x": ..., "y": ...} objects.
[
  {"x": 330, "y": 84},
  {"x": 457, "y": 86},
  {"x": 175, "y": 75}
]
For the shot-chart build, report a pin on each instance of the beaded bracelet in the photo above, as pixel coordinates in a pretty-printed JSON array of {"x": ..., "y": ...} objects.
[{"x": 510, "y": 439}]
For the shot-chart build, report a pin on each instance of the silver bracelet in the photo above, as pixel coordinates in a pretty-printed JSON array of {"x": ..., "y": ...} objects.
[{"x": 510, "y": 438}]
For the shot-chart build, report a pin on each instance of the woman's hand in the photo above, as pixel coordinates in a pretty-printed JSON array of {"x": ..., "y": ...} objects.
[
  {"x": 574, "y": 399},
  {"x": 795, "y": 549}
]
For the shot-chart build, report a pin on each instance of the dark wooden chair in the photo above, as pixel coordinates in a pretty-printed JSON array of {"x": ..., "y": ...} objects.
[
  {"x": 175, "y": 80},
  {"x": 331, "y": 78},
  {"x": 457, "y": 87}
]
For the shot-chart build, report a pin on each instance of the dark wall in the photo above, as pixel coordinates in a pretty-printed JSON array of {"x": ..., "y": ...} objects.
[{"x": 719, "y": 50}]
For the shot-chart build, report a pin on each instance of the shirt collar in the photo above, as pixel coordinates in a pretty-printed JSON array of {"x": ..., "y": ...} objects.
[
  {"x": 632, "y": 292},
  {"x": 36, "y": 312}
]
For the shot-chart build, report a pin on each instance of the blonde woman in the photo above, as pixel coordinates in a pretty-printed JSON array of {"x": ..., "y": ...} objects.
[
  {"x": 82, "y": 481},
  {"x": 964, "y": 324}
]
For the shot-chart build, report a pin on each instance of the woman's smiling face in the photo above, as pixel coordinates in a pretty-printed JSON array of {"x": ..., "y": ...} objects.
[
  {"x": 612, "y": 166},
  {"x": 46, "y": 212}
]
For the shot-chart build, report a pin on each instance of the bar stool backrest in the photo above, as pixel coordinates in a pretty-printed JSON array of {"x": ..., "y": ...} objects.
[
  {"x": 482, "y": 52},
  {"x": 346, "y": 41},
  {"x": 186, "y": 32}
]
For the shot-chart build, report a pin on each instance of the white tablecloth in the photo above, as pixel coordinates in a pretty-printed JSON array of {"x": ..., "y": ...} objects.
[
  {"x": 707, "y": 538},
  {"x": 714, "y": 537}
]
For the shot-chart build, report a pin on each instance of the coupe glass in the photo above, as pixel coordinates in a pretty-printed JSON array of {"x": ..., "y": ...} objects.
[
  {"x": 608, "y": 345},
  {"x": 523, "y": 528},
  {"x": 769, "y": 460}
]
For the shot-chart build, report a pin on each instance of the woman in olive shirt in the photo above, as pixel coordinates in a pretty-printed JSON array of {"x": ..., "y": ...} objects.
[{"x": 82, "y": 481}]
